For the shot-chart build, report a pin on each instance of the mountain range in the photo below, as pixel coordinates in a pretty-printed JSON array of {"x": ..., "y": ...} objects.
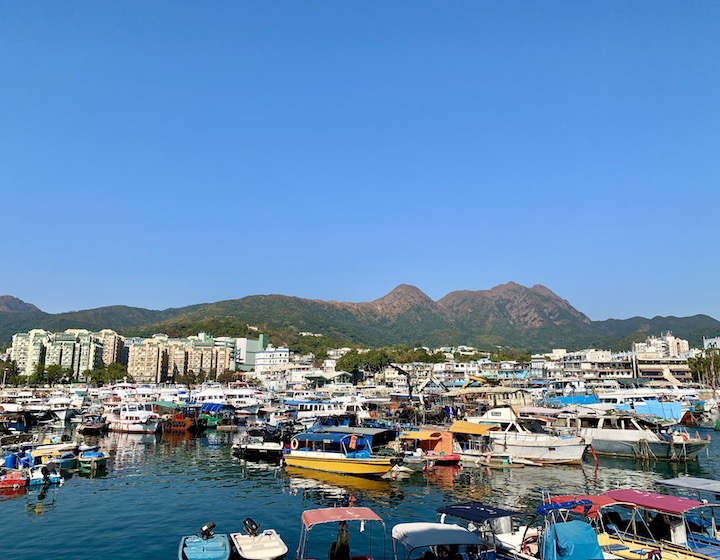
[{"x": 509, "y": 315}]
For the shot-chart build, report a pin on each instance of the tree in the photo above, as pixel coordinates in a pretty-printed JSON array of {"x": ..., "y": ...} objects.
[
  {"x": 351, "y": 363},
  {"x": 55, "y": 373},
  {"x": 38, "y": 377}
]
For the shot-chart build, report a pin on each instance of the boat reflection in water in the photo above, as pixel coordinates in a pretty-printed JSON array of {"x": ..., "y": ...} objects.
[
  {"x": 345, "y": 490},
  {"x": 443, "y": 476}
]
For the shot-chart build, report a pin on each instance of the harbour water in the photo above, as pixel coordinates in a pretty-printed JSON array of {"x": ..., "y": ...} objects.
[{"x": 157, "y": 489}]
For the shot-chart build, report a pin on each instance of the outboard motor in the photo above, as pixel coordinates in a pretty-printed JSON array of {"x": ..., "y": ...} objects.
[
  {"x": 206, "y": 531},
  {"x": 251, "y": 528}
]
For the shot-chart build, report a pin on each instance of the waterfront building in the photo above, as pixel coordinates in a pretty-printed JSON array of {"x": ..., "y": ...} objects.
[
  {"x": 597, "y": 365},
  {"x": 657, "y": 368}
]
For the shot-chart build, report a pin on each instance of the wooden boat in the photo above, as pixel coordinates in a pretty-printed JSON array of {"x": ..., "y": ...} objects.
[
  {"x": 256, "y": 545},
  {"x": 92, "y": 424},
  {"x": 184, "y": 419},
  {"x": 91, "y": 459},
  {"x": 63, "y": 459},
  {"x": 349, "y": 520},
  {"x": 206, "y": 545},
  {"x": 13, "y": 479},
  {"x": 343, "y": 453}
]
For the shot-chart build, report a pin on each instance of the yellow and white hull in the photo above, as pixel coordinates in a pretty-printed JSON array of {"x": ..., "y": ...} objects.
[{"x": 335, "y": 463}]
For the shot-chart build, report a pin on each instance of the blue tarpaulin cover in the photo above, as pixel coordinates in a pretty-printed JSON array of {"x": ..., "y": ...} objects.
[{"x": 575, "y": 540}]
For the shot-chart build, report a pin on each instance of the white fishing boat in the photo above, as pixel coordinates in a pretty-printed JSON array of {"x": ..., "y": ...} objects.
[
  {"x": 526, "y": 439},
  {"x": 133, "y": 418},
  {"x": 624, "y": 434}
]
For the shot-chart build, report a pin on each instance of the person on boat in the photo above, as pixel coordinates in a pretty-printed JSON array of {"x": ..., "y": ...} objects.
[{"x": 340, "y": 549}]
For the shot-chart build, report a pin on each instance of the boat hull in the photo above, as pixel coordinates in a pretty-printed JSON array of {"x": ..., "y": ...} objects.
[
  {"x": 342, "y": 465},
  {"x": 129, "y": 427},
  {"x": 665, "y": 451},
  {"x": 265, "y": 546},
  {"x": 540, "y": 450},
  {"x": 194, "y": 547}
]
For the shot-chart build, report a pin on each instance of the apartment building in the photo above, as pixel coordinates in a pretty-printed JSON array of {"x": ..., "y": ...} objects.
[
  {"x": 113, "y": 346},
  {"x": 147, "y": 359},
  {"x": 28, "y": 350}
]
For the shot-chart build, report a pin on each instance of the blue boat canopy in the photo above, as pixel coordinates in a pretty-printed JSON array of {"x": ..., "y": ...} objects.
[
  {"x": 331, "y": 437},
  {"x": 216, "y": 407},
  {"x": 476, "y": 512}
]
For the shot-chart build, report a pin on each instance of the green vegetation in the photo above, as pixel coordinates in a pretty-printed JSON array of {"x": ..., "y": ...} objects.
[
  {"x": 110, "y": 373},
  {"x": 706, "y": 367}
]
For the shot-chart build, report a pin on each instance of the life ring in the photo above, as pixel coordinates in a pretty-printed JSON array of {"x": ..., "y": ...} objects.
[{"x": 294, "y": 443}]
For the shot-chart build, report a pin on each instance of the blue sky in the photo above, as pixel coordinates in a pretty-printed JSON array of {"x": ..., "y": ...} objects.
[{"x": 161, "y": 154}]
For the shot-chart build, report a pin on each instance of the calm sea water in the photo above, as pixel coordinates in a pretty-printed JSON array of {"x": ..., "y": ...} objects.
[{"x": 158, "y": 489}]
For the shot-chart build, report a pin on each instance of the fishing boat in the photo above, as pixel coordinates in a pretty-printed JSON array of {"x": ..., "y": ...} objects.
[
  {"x": 182, "y": 419},
  {"x": 134, "y": 418},
  {"x": 266, "y": 442},
  {"x": 344, "y": 453},
  {"x": 527, "y": 439},
  {"x": 13, "y": 479},
  {"x": 63, "y": 459},
  {"x": 625, "y": 434},
  {"x": 475, "y": 447},
  {"x": 206, "y": 545},
  {"x": 92, "y": 424},
  {"x": 91, "y": 459},
  {"x": 48, "y": 473},
  {"x": 348, "y": 520},
  {"x": 433, "y": 447},
  {"x": 256, "y": 545}
]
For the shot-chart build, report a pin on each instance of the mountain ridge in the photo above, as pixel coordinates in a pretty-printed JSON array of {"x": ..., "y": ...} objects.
[{"x": 512, "y": 315}]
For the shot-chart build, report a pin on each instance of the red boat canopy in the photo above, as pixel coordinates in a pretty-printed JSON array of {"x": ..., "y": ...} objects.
[
  {"x": 655, "y": 502},
  {"x": 313, "y": 517}
]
